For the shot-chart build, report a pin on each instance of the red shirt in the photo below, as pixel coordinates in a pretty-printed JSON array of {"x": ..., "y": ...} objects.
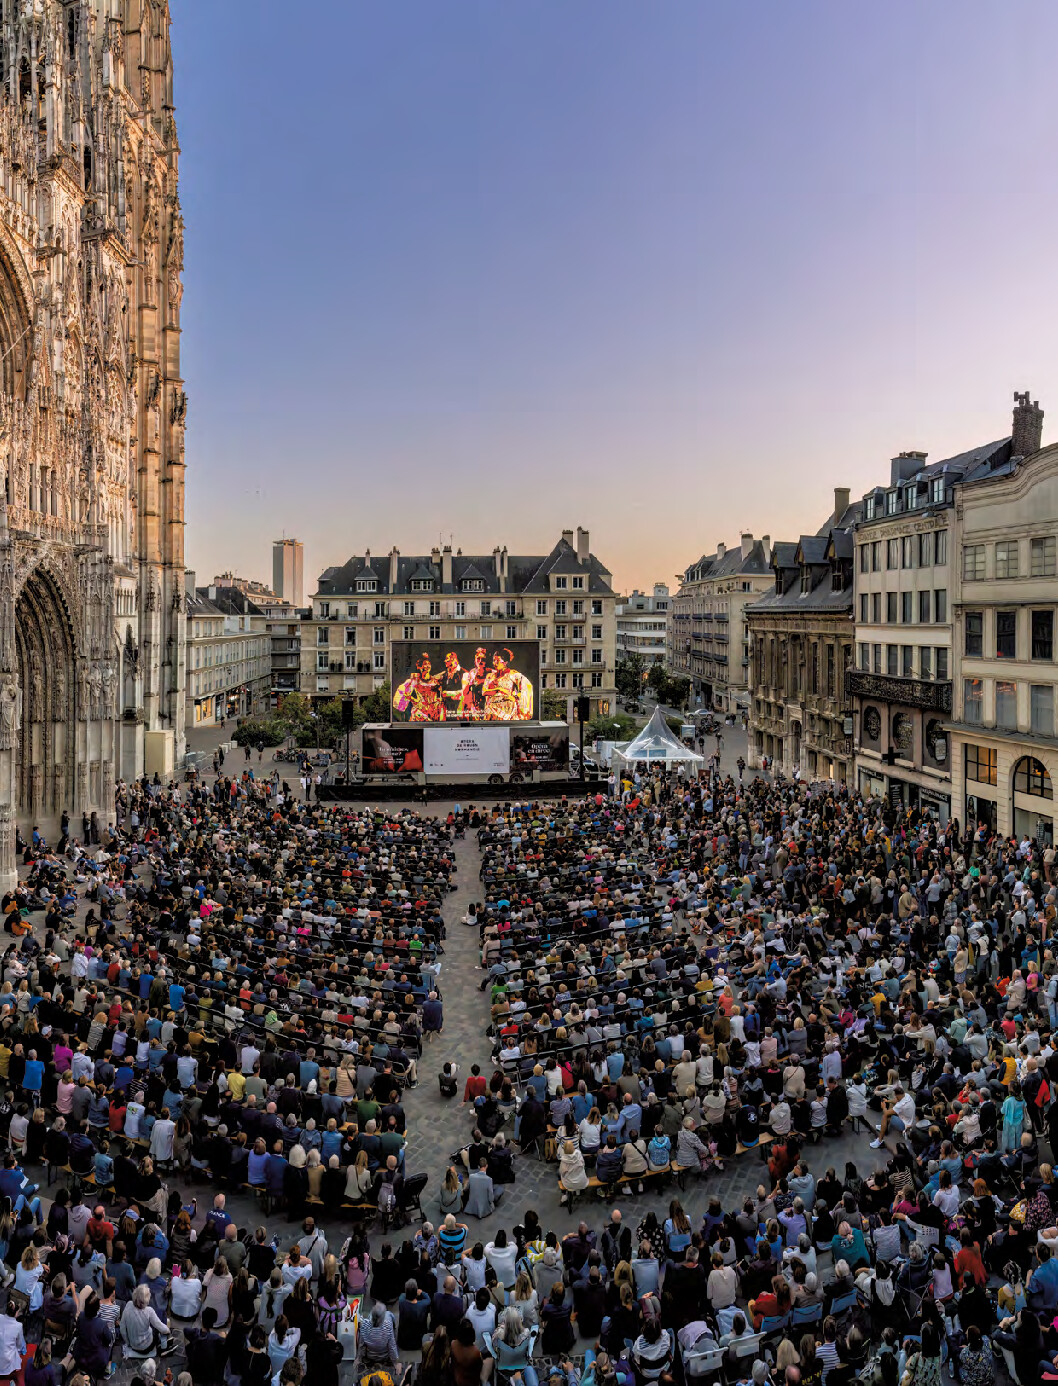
[{"x": 476, "y": 1087}]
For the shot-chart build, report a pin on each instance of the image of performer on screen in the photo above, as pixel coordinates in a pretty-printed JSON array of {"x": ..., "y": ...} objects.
[
  {"x": 508, "y": 694},
  {"x": 421, "y": 693},
  {"x": 469, "y": 697}
]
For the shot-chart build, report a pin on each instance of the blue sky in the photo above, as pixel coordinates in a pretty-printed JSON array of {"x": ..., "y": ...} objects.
[{"x": 492, "y": 270}]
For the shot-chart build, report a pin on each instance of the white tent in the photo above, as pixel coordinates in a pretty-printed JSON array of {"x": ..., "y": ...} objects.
[{"x": 656, "y": 742}]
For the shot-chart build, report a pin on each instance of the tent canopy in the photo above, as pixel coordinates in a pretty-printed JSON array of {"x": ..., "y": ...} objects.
[{"x": 657, "y": 741}]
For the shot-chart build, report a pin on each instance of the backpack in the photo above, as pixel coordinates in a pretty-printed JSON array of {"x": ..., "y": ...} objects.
[{"x": 387, "y": 1198}]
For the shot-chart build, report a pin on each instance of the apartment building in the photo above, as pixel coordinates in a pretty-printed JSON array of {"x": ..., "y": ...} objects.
[
  {"x": 1004, "y": 747},
  {"x": 642, "y": 625},
  {"x": 800, "y": 637},
  {"x": 564, "y": 600},
  {"x": 708, "y": 640},
  {"x": 901, "y": 686},
  {"x": 229, "y": 655}
]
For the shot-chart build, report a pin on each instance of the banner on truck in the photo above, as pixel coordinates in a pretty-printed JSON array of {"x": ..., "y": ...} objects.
[
  {"x": 545, "y": 750},
  {"x": 466, "y": 750}
]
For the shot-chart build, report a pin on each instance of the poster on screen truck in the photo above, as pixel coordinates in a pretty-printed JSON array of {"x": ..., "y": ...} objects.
[{"x": 465, "y": 680}]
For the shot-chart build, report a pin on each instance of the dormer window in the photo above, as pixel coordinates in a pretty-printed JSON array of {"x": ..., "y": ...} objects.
[
  {"x": 806, "y": 578},
  {"x": 473, "y": 584},
  {"x": 911, "y": 497},
  {"x": 367, "y": 584},
  {"x": 422, "y": 584},
  {"x": 936, "y": 490},
  {"x": 869, "y": 508},
  {"x": 890, "y": 502}
]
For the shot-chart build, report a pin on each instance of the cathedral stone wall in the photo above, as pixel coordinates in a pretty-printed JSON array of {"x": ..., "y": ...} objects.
[{"x": 92, "y": 405}]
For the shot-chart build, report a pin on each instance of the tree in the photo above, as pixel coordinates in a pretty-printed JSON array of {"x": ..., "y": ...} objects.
[
  {"x": 628, "y": 676},
  {"x": 677, "y": 691},
  {"x": 295, "y": 716},
  {"x": 376, "y": 706},
  {"x": 259, "y": 731},
  {"x": 553, "y": 705},
  {"x": 657, "y": 679}
]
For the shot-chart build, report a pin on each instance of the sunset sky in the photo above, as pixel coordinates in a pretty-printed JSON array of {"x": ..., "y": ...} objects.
[{"x": 670, "y": 271}]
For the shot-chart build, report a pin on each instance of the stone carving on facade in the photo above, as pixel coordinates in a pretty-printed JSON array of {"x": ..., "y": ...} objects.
[{"x": 10, "y": 711}]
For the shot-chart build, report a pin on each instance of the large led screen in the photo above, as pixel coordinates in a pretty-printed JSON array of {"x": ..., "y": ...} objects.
[{"x": 465, "y": 680}]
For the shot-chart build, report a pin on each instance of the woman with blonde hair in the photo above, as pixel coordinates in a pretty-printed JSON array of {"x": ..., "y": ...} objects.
[
  {"x": 359, "y": 1179},
  {"x": 451, "y": 1196}
]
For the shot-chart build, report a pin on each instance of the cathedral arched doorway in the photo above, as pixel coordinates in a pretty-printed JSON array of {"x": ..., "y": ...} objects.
[{"x": 47, "y": 739}]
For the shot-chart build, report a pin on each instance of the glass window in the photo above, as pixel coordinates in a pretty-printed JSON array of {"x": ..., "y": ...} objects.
[
  {"x": 1007, "y": 558},
  {"x": 541, "y": 632},
  {"x": 435, "y": 632},
  {"x": 973, "y": 562},
  {"x": 1006, "y": 634},
  {"x": 379, "y": 637},
  {"x": 876, "y": 556},
  {"x": 863, "y": 607},
  {"x": 907, "y": 551},
  {"x": 541, "y": 606},
  {"x": 892, "y": 555},
  {"x": 865, "y": 657},
  {"x": 942, "y": 661},
  {"x": 973, "y": 700},
  {"x": 409, "y": 608},
  {"x": 892, "y": 660},
  {"x": 923, "y": 607},
  {"x": 981, "y": 764},
  {"x": 1041, "y": 708},
  {"x": 1042, "y": 555},
  {"x": 925, "y": 661},
  {"x": 1043, "y": 635},
  {"x": 876, "y": 607},
  {"x": 865, "y": 558},
  {"x": 876, "y": 658},
  {"x": 578, "y": 582},
  {"x": 484, "y": 632},
  {"x": 975, "y": 626},
  {"x": 512, "y": 632},
  {"x": 596, "y": 678},
  {"x": 461, "y": 608},
  {"x": 890, "y": 502},
  {"x": 940, "y": 546},
  {"x": 940, "y": 604},
  {"x": 891, "y": 599},
  {"x": 1006, "y": 705},
  {"x": 596, "y": 656},
  {"x": 907, "y": 661},
  {"x": 461, "y": 632},
  {"x": 596, "y": 606},
  {"x": 907, "y": 607},
  {"x": 925, "y": 550},
  {"x": 1031, "y": 777},
  {"x": 596, "y": 632},
  {"x": 409, "y": 632}
]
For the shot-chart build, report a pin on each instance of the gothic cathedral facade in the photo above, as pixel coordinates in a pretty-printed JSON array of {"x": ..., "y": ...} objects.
[{"x": 92, "y": 408}]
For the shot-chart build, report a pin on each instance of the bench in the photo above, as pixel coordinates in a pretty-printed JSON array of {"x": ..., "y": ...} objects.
[{"x": 597, "y": 1185}]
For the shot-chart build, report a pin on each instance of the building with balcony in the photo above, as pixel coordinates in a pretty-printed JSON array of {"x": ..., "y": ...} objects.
[
  {"x": 642, "y": 625},
  {"x": 707, "y": 636},
  {"x": 563, "y": 600},
  {"x": 800, "y": 643},
  {"x": 229, "y": 655},
  {"x": 1004, "y": 750},
  {"x": 901, "y": 688}
]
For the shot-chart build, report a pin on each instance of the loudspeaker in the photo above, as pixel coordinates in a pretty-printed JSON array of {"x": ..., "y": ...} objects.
[
  {"x": 583, "y": 709},
  {"x": 348, "y": 715}
]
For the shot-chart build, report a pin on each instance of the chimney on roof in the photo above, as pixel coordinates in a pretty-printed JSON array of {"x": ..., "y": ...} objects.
[
  {"x": 394, "y": 560},
  {"x": 841, "y": 501},
  {"x": 435, "y": 556},
  {"x": 1027, "y": 436},
  {"x": 446, "y": 565},
  {"x": 567, "y": 534},
  {"x": 905, "y": 465},
  {"x": 503, "y": 558},
  {"x": 582, "y": 545},
  {"x": 765, "y": 543},
  {"x": 747, "y": 546},
  {"x": 721, "y": 550},
  {"x": 496, "y": 560}
]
